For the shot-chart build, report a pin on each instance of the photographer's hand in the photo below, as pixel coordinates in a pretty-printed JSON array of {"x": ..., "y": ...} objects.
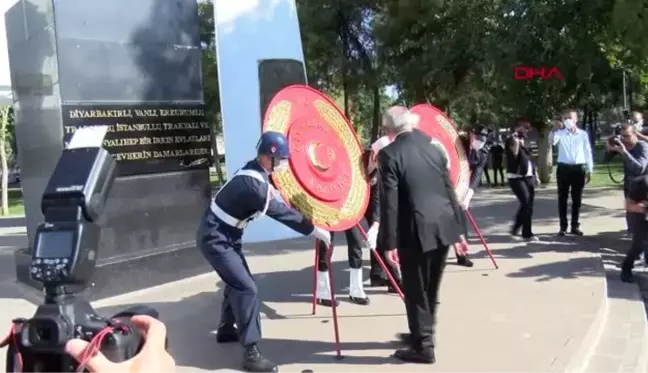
[{"x": 152, "y": 358}]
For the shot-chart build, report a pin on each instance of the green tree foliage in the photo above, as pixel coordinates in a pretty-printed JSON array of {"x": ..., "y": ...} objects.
[{"x": 460, "y": 55}]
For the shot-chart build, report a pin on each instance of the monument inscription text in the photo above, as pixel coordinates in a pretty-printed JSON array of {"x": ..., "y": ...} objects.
[{"x": 147, "y": 139}]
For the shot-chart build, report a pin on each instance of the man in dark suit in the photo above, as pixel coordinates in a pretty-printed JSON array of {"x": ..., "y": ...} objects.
[{"x": 420, "y": 219}]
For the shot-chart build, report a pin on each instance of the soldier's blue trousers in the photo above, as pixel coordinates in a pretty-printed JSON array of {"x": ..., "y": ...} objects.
[{"x": 221, "y": 245}]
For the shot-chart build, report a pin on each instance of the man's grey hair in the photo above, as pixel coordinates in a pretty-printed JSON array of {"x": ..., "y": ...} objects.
[
  {"x": 631, "y": 126},
  {"x": 398, "y": 119}
]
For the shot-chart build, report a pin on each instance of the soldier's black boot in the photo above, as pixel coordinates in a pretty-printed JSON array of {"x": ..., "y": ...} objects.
[
  {"x": 227, "y": 334},
  {"x": 356, "y": 290},
  {"x": 324, "y": 290},
  {"x": 253, "y": 361},
  {"x": 463, "y": 261},
  {"x": 410, "y": 355},
  {"x": 377, "y": 280}
]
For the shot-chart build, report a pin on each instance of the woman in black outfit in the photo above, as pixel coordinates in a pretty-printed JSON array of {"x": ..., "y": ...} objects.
[{"x": 521, "y": 175}]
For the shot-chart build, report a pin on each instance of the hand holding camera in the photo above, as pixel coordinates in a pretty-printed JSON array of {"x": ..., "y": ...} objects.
[
  {"x": 153, "y": 357},
  {"x": 614, "y": 144},
  {"x": 64, "y": 256}
]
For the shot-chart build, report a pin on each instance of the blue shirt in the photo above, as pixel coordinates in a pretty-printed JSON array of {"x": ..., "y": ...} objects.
[{"x": 573, "y": 148}]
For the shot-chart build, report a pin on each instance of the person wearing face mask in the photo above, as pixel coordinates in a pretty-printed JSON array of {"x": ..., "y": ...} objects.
[
  {"x": 634, "y": 154},
  {"x": 354, "y": 242},
  {"x": 477, "y": 152},
  {"x": 575, "y": 165},
  {"x": 377, "y": 277},
  {"x": 641, "y": 129},
  {"x": 497, "y": 159},
  {"x": 521, "y": 175},
  {"x": 246, "y": 196}
]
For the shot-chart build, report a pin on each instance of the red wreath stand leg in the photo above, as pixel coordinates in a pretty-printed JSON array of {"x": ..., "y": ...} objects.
[
  {"x": 336, "y": 327},
  {"x": 329, "y": 255},
  {"x": 481, "y": 237}
]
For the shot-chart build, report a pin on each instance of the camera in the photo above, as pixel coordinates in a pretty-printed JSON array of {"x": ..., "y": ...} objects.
[
  {"x": 615, "y": 139},
  {"x": 63, "y": 261}
]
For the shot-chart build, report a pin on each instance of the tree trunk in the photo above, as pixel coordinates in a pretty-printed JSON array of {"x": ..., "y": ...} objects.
[
  {"x": 4, "y": 183},
  {"x": 419, "y": 95},
  {"x": 375, "y": 125},
  {"x": 545, "y": 158},
  {"x": 345, "y": 94}
]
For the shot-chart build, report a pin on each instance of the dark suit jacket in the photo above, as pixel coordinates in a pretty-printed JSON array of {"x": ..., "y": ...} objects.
[
  {"x": 373, "y": 209},
  {"x": 419, "y": 208}
]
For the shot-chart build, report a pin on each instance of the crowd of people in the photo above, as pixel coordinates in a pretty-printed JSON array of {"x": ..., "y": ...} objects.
[{"x": 414, "y": 219}]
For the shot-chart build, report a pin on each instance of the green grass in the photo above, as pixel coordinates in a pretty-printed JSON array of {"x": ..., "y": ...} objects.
[
  {"x": 601, "y": 176},
  {"x": 16, "y": 206},
  {"x": 602, "y": 171},
  {"x": 213, "y": 179}
]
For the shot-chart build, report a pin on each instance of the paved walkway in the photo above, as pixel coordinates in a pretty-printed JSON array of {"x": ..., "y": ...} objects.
[{"x": 536, "y": 313}]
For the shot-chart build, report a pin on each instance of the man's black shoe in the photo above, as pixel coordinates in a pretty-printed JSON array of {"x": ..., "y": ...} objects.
[
  {"x": 327, "y": 302},
  {"x": 576, "y": 232},
  {"x": 360, "y": 301},
  {"x": 514, "y": 231},
  {"x": 253, "y": 361},
  {"x": 425, "y": 356},
  {"x": 561, "y": 233},
  {"x": 404, "y": 338},
  {"x": 464, "y": 261},
  {"x": 627, "y": 277},
  {"x": 227, "y": 334},
  {"x": 378, "y": 281}
]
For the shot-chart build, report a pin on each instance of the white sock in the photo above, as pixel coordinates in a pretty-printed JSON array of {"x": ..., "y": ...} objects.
[
  {"x": 356, "y": 289},
  {"x": 323, "y": 285}
]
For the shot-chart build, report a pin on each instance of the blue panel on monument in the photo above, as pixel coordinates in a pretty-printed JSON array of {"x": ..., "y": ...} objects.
[
  {"x": 134, "y": 66},
  {"x": 259, "y": 52}
]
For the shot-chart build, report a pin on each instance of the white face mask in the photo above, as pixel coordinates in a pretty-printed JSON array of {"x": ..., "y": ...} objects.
[
  {"x": 569, "y": 124},
  {"x": 476, "y": 144},
  {"x": 283, "y": 165}
]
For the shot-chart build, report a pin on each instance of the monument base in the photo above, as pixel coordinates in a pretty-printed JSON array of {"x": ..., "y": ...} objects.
[{"x": 119, "y": 277}]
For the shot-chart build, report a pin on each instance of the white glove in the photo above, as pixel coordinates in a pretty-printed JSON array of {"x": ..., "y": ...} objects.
[
  {"x": 372, "y": 236},
  {"x": 322, "y": 235},
  {"x": 466, "y": 201}
]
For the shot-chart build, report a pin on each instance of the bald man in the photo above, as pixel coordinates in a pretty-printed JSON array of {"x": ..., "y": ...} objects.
[{"x": 420, "y": 218}]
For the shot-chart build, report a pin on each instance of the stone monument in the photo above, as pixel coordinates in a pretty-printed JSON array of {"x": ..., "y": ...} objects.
[{"x": 134, "y": 66}]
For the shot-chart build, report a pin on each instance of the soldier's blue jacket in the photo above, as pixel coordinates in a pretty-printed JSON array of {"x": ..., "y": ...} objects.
[{"x": 248, "y": 195}]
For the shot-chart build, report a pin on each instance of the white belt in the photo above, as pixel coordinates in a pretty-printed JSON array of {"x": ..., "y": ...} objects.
[{"x": 229, "y": 219}]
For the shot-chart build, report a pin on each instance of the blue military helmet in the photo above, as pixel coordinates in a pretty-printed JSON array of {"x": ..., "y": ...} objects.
[{"x": 273, "y": 144}]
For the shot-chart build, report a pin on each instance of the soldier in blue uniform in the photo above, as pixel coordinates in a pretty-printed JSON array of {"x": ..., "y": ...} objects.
[{"x": 246, "y": 196}]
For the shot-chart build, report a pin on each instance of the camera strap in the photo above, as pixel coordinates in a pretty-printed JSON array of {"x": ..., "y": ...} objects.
[
  {"x": 94, "y": 347},
  {"x": 11, "y": 341}
]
